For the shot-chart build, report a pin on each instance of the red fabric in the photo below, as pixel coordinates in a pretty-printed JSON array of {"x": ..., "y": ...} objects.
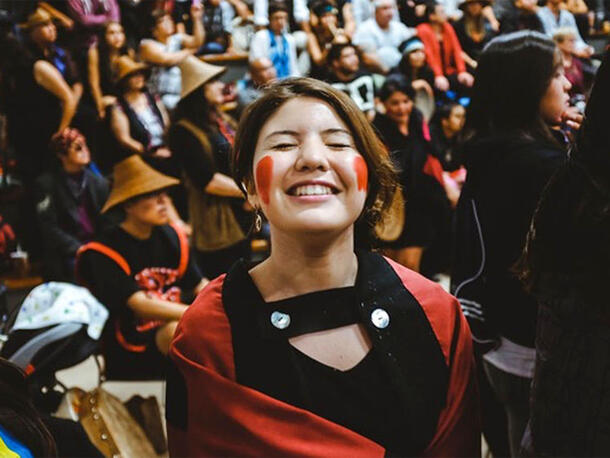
[
  {"x": 228, "y": 419},
  {"x": 434, "y": 168},
  {"x": 459, "y": 432},
  {"x": 453, "y": 61}
]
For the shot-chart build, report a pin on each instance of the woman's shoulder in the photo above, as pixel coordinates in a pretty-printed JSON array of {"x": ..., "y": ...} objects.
[
  {"x": 203, "y": 335},
  {"x": 442, "y": 310}
]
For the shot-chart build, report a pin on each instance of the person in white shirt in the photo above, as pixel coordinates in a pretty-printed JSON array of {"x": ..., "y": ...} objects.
[
  {"x": 553, "y": 17},
  {"x": 275, "y": 43},
  {"x": 300, "y": 13},
  {"x": 379, "y": 37}
]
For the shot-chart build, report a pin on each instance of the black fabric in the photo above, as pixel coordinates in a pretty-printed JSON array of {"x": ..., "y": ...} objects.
[
  {"x": 137, "y": 130},
  {"x": 160, "y": 251},
  {"x": 446, "y": 149},
  {"x": 393, "y": 396},
  {"x": 70, "y": 438},
  {"x": 427, "y": 216},
  {"x": 57, "y": 211},
  {"x": 505, "y": 179},
  {"x": 517, "y": 20},
  {"x": 469, "y": 45},
  {"x": 424, "y": 73},
  {"x": 360, "y": 88},
  {"x": 196, "y": 163}
]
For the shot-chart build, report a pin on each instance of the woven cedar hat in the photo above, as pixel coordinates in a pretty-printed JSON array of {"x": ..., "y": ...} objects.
[
  {"x": 126, "y": 66},
  {"x": 195, "y": 73},
  {"x": 38, "y": 17},
  {"x": 133, "y": 177},
  {"x": 466, "y": 2}
]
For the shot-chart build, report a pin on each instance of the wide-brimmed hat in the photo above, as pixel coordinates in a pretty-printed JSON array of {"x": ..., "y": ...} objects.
[
  {"x": 132, "y": 177},
  {"x": 195, "y": 73},
  {"x": 38, "y": 17},
  {"x": 466, "y": 2},
  {"x": 126, "y": 66}
]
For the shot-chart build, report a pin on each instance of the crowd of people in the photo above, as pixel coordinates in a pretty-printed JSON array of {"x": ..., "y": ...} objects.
[{"x": 422, "y": 130}]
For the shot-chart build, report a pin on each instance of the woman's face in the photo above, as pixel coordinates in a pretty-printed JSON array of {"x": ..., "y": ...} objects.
[
  {"x": 457, "y": 118},
  {"x": 213, "y": 92},
  {"x": 136, "y": 81},
  {"x": 44, "y": 34},
  {"x": 329, "y": 21},
  {"x": 149, "y": 209},
  {"x": 308, "y": 176},
  {"x": 78, "y": 153},
  {"x": 555, "y": 100},
  {"x": 568, "y": 44},
  {"x": 417, "y": 58},
  {"x": 474, "y": 9},
  {"x": 115, "y": 37},
  {"x": 398, "y": 107},
  {"x": 165, "y": 26}
]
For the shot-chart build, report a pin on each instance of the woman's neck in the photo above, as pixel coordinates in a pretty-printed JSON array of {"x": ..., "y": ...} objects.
[
  {"x": 403, "y": 128},
  {"x": 137, "y": 229},
  {"x": 296, "y": 267},
  {"x": 132, "y": 96}
]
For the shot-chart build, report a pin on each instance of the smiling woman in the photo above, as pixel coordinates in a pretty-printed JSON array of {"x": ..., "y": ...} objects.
[{"x": 323, "y": 349}]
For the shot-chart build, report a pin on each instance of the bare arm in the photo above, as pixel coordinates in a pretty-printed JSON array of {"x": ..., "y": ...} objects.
[
  {"x": 152, "y": 308},
  {"x": 313, "y": 48},
  {"x": 241, "y": 8},
  {"x": 202, "y": 284},
  {"x": 349, "y": 23},
  {"x": 198, "y": 37},
  {"x": 47, "y": 76},
  {"x": 469, "y": 60},
  {"x": 119, "y": 124},
  {"x": 154, "y": 54},
  {"x": 94, "y": 78},
  {"x": 372, "y": 62},
  {"x": 223, "y": 185}
]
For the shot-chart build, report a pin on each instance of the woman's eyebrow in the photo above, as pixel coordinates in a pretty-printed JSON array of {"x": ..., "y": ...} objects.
[
  {"x": 336, "y": 131},
  {"x": 281, "y": 132}
]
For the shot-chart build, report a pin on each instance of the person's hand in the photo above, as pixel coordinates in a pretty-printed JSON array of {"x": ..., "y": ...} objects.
[
  {"x": 247, "y": 206},
  {"x": 585, "y": 52},
  {"x": 572, "y": 118},
  {"x": 196, "y": 10},
  {"x": 441, "y": 83},
  {"x": 466, "y": 79},
  {"x": 162, "y": 152},
  {"x": 422, "y": 85},
  {"x": 495, "y": 24}
]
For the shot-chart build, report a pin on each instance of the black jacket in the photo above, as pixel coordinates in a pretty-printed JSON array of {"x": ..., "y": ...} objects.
[
  {"x": 57, "y": 211},
  {"x": 505, "y": 179}
]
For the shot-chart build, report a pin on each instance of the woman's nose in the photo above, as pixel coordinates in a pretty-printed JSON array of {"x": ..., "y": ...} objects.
[{"x": 312, "y": 155}]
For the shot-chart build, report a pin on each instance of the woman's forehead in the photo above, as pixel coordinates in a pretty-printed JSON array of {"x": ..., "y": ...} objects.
[{"x": 303, "y": 114}]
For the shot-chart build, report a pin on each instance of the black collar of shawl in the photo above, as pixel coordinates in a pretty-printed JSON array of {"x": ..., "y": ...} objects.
[{"x": 407, "y": 347}]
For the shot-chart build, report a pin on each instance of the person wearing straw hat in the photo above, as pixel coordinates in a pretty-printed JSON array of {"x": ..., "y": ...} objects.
[
  {"x": 47, "y": 94},
  {"x": 139, "y": 269},
  {"x": 474, "y": 30},
  {"x": 138, "y": 120},
  {"x": 202, "y": 136}
]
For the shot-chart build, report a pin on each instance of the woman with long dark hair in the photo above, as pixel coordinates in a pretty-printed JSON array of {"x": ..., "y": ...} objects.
[
  {"x": 520, "y": 96},
  {"x": 405, "y": 134},
  {"x": 566, "y": 267},
  {"x": 202, "y": 136},
  {"x": 101, "y": 66},
  {"x": 473, "y": 30}
]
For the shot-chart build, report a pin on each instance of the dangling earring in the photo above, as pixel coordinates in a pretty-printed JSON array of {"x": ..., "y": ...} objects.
[{"x": 258, "y": 221}]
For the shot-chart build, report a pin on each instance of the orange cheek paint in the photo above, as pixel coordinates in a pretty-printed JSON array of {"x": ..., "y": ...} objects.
[
  {"x": 264, "y": 169},
  {"x": 362, "y": 173}
]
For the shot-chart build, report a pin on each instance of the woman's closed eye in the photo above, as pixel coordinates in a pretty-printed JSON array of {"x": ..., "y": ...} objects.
[{"x": 283, "y": 146}]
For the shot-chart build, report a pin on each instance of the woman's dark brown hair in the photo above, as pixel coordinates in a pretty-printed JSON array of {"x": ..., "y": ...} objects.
[{"x": 382, "y": 183}]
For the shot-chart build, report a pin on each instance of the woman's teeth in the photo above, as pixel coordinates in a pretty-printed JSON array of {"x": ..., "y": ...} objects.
[{"x": 313, "y": 190}]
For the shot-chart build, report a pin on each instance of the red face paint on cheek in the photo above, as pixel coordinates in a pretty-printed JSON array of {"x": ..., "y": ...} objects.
[
  {"x": 362, "y": 173},
  {"x": 264, "y": 170}
]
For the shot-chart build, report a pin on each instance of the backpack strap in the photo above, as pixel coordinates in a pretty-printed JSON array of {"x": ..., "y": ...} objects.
[
  {"x": 183, "y": 247},
  {"x": 106, "y": 251}
]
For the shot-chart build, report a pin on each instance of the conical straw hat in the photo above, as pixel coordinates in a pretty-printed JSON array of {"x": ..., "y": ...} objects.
[
  {"x": 133, "y": 177},
  {"x": 38, "y": 17},
  {"x": 126, "y": 66},
  {"x": 195, "y": 73}
]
